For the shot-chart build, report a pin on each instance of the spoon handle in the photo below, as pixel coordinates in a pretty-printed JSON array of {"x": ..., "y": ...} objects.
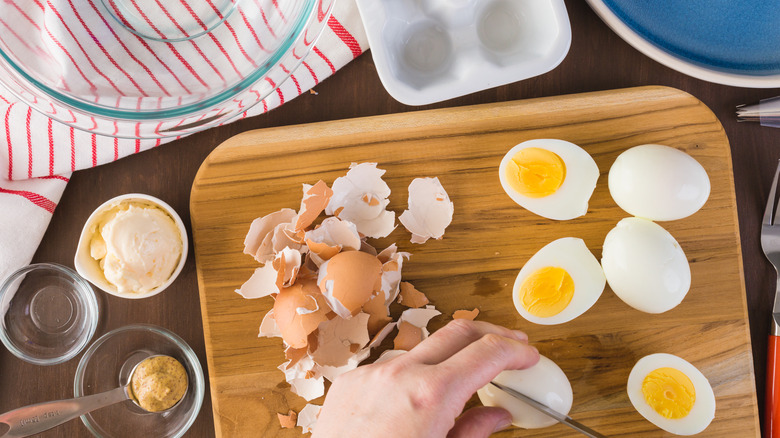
[{"x": 36, "y": 418}]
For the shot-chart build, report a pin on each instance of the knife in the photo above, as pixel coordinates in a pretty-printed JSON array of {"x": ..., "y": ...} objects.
[{"x": 564, "y": 419}]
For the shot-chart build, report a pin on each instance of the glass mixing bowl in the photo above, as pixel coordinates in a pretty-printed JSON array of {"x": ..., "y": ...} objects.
[
  {"x": 152, "y": 68},
  {"x": 100, "y": 369}
]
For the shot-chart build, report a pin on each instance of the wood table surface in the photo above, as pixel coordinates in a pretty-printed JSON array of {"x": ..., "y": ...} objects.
[{"x": 598, "y": 60}]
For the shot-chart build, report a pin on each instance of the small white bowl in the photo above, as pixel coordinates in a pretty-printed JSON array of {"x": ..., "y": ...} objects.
[{"x": 89, "y": 268}]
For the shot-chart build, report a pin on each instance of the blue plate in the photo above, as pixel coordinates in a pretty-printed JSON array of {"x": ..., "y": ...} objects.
[{"x": 724, "y": 41}]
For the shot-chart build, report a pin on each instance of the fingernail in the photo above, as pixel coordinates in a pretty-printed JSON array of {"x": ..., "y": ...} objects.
[{"x": 503, "y": 425}]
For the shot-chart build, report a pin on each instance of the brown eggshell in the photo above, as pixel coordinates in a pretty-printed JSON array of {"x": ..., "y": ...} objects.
[
  {"x": 408, "y": 336},
  {"x": 379, "y": 314},
  {"x": 288, "y": 421},
  {"x": 315, "y": 199},
  {"x": 411, "y": 297},
  {"x": 349, "y": 280},
  {"x": 298, "y": 310},
  {"x": 465, "y": 314}
]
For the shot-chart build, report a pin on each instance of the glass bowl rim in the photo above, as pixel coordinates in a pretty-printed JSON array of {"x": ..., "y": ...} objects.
[
  {"x": 297, "y": 32},
  {"x": 187, "y": 352},
  {"x": 91, "y": 307}
]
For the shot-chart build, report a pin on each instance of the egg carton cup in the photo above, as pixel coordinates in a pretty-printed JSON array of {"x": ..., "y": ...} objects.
[
  {"x": 428, "y": 51},
  {"x": 89, "y": 268}
]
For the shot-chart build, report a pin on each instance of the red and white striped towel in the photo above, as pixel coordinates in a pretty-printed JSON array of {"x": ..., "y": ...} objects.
[{"x": 40, "y": 153}]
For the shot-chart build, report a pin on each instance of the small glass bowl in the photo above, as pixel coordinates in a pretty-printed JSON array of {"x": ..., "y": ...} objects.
[
  {"x": 100, "y": 368},
  {"x": 49, "y": 313}
]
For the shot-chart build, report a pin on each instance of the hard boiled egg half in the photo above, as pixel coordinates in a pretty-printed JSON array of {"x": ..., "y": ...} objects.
[
  {"x": 558, "y": 283},
  {"x": 552, "y": 178},
  {"x": 672, "y": 394},
  {"x": 544, "y": 382}
]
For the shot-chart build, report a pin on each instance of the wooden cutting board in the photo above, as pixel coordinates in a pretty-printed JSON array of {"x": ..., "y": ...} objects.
[{"x": 489, "y": 240}]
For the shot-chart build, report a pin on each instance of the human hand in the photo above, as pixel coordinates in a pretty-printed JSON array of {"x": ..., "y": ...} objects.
[{"x": 421, "y": 393}]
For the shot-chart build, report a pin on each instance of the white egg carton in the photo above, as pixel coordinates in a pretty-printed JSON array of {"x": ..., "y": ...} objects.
[{"x": 427, "y": 51}]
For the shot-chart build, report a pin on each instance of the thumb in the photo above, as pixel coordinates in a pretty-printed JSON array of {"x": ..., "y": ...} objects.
[{"x": 480, "y": 422}]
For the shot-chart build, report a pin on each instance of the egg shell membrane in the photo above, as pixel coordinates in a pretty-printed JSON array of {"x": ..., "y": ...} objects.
[
  {"x": 703, "y": 411},
  {"x": 307, "y": 418},
  {"x": 430, "y": 210},
  {"x": 257, "y": 242},
  {"x": 268, "y": 327},
  {"x": 411, "y": 297},
  {"x": 287, "y": 421},
  {"x": 658, "y": 183},
  {"x": 361, "y": 197},
  {"x": 315, "y": 199},
  {"x": 471, "y": 315},
  {"x": 262, "y": 283},
  {"x": 287, "y": 263},
  {"x": 571, "y": 198},
  {"x": 639, "y": 255},
  {"x": 298, "y": 310},
  {"x": 349, "y": 280},
  {"x": 544, "y": 382},
  {"x": 572, "y": 255}
]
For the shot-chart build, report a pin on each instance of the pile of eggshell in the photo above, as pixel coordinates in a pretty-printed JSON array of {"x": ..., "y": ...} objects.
[
  {"x": 642, "y": 262},
  {"x": 332, "y": 290}
]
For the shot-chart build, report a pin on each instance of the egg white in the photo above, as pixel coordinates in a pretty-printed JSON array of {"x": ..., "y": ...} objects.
[
  {"x": 658, "y": 182},
  {"x": 573, "y": 256},
  {"x": 544, "y": 382},
  {"x": 571, "y": 198},
  {"x": 645, "y": 266},
  {"x": 703, "y": 410}
]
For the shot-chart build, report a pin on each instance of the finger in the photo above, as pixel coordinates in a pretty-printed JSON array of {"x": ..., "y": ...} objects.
[
  {"x": 455, "y": 336},
  {"x": 480, "y": 422},
  {"x": 481, "y": 361}
]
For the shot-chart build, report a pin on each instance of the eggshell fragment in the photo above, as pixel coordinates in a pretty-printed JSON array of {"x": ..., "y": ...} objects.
[
  {"x": 349, "y": 280},
  {"x": 339, "y": 339},
  {"x": 260, "y": 231},
  {"x": 288, "y": 421},
  {"x": 261, "y": 284},
  {"x": 268, "y": 327},
  {"x": 332, "y": 236},
  {"x": 298, "y": 310},
  {"x": 411, "y": 297},
  {"x": 430, "y": 210},
  {"x": 287, "y": 263},
  {"x": 408, "y": 336},
  {"x": 412, "y": 327},
  {"x": 307, "y": 418},
  {"x": 315, "y": 198},
  {"x": 282, "y": 236},
  {"x": 465, "y": 314},
  {"x": 304, "y": 378},
  {"x": 379, "y": 314},
  {"x": 392, "y": 263},
  {"x": 361, "y": 197}
]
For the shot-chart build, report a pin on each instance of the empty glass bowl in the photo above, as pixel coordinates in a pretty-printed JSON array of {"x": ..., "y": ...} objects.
[
  {"x": 100, "y": 368},
  {"x": 48, "y": 313},
  {"x": 152, "y": 68}
]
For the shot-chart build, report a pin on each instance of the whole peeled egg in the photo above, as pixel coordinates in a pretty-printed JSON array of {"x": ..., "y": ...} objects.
[
  {"x": 658, "y": 182},
  {"x": 544, "y": 382},
  {"x": 552, "y": 178},
  {"x": 645, "y": 266},
  {"x": 671, "y": 393}
]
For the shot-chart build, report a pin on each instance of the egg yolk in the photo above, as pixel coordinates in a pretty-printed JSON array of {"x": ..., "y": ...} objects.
[
  {"x": 547, "y": 291},
  {"x": 669, "y": 392},
  {"x": 536, "y": 172}
]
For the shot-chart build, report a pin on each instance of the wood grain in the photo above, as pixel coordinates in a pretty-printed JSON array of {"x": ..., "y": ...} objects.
[{"x": 490, "y": 238}]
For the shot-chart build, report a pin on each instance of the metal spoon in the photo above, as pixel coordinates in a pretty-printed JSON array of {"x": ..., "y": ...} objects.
[{"x": 39, "y": 417}]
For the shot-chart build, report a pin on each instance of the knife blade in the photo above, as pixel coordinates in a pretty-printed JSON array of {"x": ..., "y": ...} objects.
[{"x": 564, "y": 419}]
